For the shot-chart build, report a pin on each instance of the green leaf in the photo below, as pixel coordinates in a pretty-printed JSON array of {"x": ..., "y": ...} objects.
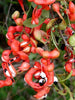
[
  {"x": 28, "y": 22},
  {"x": 45, "y": 14}
]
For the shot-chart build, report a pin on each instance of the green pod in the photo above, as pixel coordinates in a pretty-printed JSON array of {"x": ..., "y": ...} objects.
[
  {"x": 72, "y": 40},
  {"x": 62, "y": 25},
  {"x": 50, "y": 24}
]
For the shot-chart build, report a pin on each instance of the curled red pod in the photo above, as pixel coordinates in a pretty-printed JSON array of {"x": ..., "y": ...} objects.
[
  {"x": 52, "y": 54},
  {"x": 28, "y": 78},
  {"x": 27, "y": 49},
  {"x": 27, "y": 30},
  {"x": 39, "y": 50},
  {"x": 37, "y": 65},
  {"x": 15, "y": 46},
  {"x": 10, "y": 35},
  {"x": 50, "y": 67},
  {"x": 42, "y": 93},
  {"x": 19, "y": 28},
  {"x": 7, "y": 82},
  {"x": 11, "y": 29},
  {"x": 23, "y": 56},
  {"x": 37, "y": 75},
  {"x": 25, "y": 37},
  {"x": 12, "y": 70},
  {"x": 68, "y": 68},
  {"x": 6, "y": 70},
  {"x": 5, "y": 55},
  {"x": 24, "y": 44},
  {"x": 33, "y": 49},
  {"x": 24, "y": 66}
]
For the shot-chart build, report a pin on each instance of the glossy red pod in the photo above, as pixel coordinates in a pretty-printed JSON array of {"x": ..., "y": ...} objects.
[
  {"x": 6, "y": 82},
  {"x": 5, "y": 55},
  {"x": 15, "y": 46},
  {"x": 42, "y": 93},
  {"x": 24, "y": 66}
]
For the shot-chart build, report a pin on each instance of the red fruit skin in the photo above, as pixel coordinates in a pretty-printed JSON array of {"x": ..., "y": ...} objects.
[{"x": 71, "y": 7}]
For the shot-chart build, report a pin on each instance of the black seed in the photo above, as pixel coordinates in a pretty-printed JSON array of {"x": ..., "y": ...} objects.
[
  {"x": 11, "y": 60},
  {"x": 5, "y": 70},
  {"x": 55, "y": 83}
]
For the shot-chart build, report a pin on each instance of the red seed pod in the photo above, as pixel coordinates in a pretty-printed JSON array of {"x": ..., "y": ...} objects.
[
  {"x": 12, "y": 70},
  {"x": 42, "y": 93},
  {"x": 39, "y": 50},
  {"x": 19, "y": 21},
  {"x": 37, "y": 65},
  {"x": 23, "y": 55},
  {"x": 5, "y": 55},
  {"x": 44, "y": 61},
  {"x": 50, "y": 67},
  {"x": 24, "y": 44},
  {"x": 6, "y": 71},
  {"x": 7, "y": 82},
  {"x": 11, "y": 29},
  {"x": 27, "y": 30},
  {"x": 24, "y": 66},
  {"x": 26, "y": 49},
  {"x": 71, "y": 7},
  {"x": 9, "y": 42},
  {"x": 10, "y": 35},
  {"x": 52, "y": 54},
  {"x": 25, "y": 37},
  {"x": 37, "y": 75},
  {"x": 19, "y": 28},
  {"x": 33, "y": 49},
  {"x": 15, "y": 46}
]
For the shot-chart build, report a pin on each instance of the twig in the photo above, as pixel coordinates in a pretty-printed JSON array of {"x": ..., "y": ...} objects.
[
  {"x": 66, "y": 44},
  {"x": 8, "y": 14}
]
